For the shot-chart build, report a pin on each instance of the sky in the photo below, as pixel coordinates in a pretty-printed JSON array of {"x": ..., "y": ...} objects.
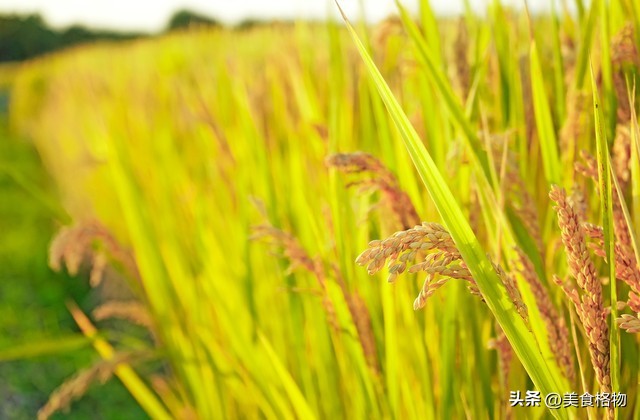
[{"x": 152, "y": 16}]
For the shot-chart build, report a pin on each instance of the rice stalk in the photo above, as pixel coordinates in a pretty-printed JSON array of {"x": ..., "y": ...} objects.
[
  {"x": 299, "y": 258},
  {"x": 76, "y": 386},
  {"x": 558, "y": 333}
]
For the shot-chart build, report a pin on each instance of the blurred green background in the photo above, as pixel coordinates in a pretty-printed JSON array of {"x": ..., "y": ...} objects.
[
  {"x": 32, "y": 297},
  {"x": 33, "y": 314}
]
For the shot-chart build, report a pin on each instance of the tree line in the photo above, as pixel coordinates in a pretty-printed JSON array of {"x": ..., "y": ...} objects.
[{"x": 24, "y": 37}]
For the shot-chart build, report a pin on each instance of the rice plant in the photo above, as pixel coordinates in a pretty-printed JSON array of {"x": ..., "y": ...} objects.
[{"x": 254, "y": 189}]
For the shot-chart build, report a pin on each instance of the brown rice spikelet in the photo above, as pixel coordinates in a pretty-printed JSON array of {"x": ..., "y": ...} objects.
[
  {"x": 78, "y": 385},
  {"x": 74, "y": 244},
  {"x": 438, "y": 257},
  {"x": 382, "y": 179},
  {"x": 298, "y": 257},
  {"x": 589, "y": 302}
]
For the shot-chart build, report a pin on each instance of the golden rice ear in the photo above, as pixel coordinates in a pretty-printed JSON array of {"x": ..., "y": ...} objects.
[
  {"x": 621, "y": 159},
  {"x": 362, "y": 320},
  {"x": 624, "y": 56},
  {"x": 131, "y": 311},
  {"x": 629, "y": 323},
  {"x": 437, "y": 255},
  {"x": 514, "y": 293},
  {"x": 382, "y": 179},
  {"x": 461, "y": 64},
  {"x": 298, "y": 257},
  {"x": 90, "y": 242},
  {"x": 589, "y": 303},
  {"x": 98, "y": 267},
  {"x": 76, "y": 386},
  {"x": 390, "y": 26},
  {"x": 291, "y": 249},
  {"x": 589, "y": 169}
]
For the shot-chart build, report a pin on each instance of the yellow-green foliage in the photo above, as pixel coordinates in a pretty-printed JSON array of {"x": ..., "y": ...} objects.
[{"x": 180, "y": 145}]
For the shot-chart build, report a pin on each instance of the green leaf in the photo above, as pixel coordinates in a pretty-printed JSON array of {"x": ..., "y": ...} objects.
[
  {"x": 558, "y": 69},
  {"x": 544, "y": 122},
  {"x": 609, "y": 97},
  {"x": 585, "y": 46},
  {"x": 451, "y": 101},
  {"x": 130, "y": 379},
  {"x": 297, "y": 399},
  {"x": 635, "y": 173},
  {"x": 604, "y": 184},
  {"x": 494, "y": 293},
  {"x": 44, "y": 347}
]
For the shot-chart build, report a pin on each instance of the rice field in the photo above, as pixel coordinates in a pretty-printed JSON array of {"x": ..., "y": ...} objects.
[{"x": 424, "y": 218}]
